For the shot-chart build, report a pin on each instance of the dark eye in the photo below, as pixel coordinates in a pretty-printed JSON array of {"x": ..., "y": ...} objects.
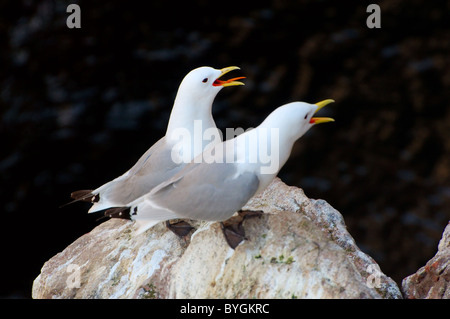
[
  {"x": 306, "y": 116},
  {"x": 205, "y": 80}
]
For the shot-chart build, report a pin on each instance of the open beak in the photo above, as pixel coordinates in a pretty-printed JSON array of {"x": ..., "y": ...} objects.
[
  {"x": 230, "y": 82},
  {"x": 318, "y": 120}
]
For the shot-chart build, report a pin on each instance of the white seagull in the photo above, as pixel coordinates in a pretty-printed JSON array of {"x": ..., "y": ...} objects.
[
  {"x": 220, "y": 181},
  {"x": 193, "y": 104}
]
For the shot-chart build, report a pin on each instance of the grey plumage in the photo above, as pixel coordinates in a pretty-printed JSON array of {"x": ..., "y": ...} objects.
[
  {"x": 149, "y": 171},
  {"x": 200, "y": 202}
]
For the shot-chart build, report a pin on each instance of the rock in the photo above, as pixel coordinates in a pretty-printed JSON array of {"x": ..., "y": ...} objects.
[
  {"x": 433, "y": 280},
  {"x": 299, "y": 248}
]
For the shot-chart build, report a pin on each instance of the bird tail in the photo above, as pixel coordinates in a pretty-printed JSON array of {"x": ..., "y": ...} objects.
[{"x": 83, "y": 196}]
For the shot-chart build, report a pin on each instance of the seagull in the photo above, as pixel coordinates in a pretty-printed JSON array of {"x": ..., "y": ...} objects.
[
  {"x": 221, "y": 180},
  {"x": 191, "y": 112}
]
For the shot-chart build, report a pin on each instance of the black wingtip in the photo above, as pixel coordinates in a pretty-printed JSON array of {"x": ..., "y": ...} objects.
[
  {"x": 118, "y": 212},
  {"x": 83, "y": 196}
]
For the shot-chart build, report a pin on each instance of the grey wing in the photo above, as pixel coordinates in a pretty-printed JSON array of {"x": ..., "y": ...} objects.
[
  {"x": 156, "y": 159},
  {"x": 152, "y": 168},
  {"x": 206, "y": 191}
]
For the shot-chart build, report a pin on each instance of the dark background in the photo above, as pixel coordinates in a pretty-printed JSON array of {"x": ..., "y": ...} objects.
[{"x": 79, "y": 106}]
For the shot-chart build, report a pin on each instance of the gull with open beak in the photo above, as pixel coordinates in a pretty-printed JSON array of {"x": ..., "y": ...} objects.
[
  {"x": 192, "y": 104},
  {"x": 220, "y": 183}
]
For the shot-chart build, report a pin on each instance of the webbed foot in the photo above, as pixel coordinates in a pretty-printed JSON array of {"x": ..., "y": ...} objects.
[
  {"x": 180, "y": 228},
  {"x": 233, "y": 230}
]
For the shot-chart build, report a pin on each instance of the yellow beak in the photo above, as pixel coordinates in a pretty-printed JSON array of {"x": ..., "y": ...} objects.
[
  {"x": 320, "y": 105},
  {"x": 230, "y": 82}
]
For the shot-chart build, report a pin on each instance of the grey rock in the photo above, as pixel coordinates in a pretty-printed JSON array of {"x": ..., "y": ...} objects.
[
  {"x": 300, "y": 248},
  {"x": 433, "y": 280}
]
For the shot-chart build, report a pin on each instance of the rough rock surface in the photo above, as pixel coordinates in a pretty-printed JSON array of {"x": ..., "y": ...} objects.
[
  {"x": 299, "y": 248},
  {"x": 433, "y": 280}
]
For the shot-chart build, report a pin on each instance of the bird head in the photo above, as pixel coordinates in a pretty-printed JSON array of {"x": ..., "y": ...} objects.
[
  {"x": 205, "y": 82},
  {"x": 296, "y": 118}
]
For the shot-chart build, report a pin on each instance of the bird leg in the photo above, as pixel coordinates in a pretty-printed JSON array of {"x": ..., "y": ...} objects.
[
  {"x": 180, "y": 228},
  {"x": 233, "y": 230}
]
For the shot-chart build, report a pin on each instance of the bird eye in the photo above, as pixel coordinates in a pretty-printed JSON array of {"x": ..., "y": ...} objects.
[
  {"x": 205, "y": 80},
  {"x": 306, "y": 116}
]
